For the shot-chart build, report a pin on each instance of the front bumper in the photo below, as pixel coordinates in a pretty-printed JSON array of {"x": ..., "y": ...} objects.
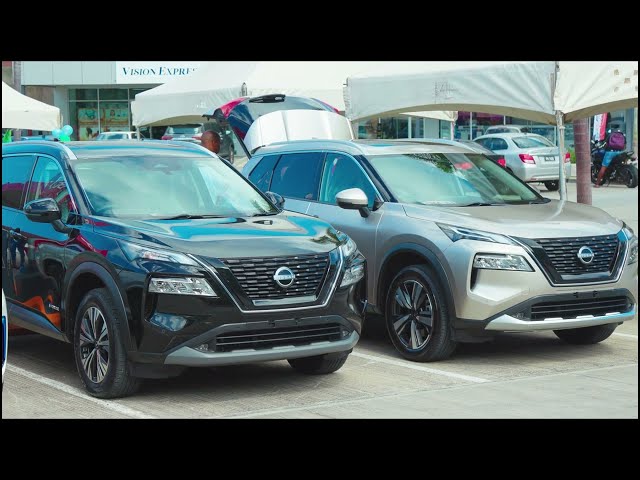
[
  {"x": 487, "y": 294},
  {"x": 190, "y": 357},
  {"x": 534, "y": 173},
  {"x": 507, "y": 323}
]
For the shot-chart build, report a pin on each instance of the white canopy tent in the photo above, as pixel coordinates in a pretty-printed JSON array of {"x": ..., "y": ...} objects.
[
  {"x": 547, "y": 92},
  {"x": 22, "y": 112},
  {"x": 185, "y": 100}
]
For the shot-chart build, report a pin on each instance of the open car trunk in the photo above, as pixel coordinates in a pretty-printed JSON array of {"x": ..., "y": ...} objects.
[{"x": 260, "y": 121}]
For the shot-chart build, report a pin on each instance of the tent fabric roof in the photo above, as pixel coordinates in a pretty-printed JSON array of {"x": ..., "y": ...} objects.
[
  {"x": 22, "y": 112},
  {"x": 590, "y": 88},
  {"x": 519, "y": 89},
  {"x": 529, "y": 90},
  {"x": 185, "y": 100}
]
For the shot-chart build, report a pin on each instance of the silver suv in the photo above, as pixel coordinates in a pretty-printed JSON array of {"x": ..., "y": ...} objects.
[{"x": 457, "y": 248}]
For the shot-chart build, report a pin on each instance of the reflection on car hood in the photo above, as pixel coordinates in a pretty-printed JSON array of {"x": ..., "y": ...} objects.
[
  {"x": 268, "y": 236},
  {"x": 554, "y": 219}
]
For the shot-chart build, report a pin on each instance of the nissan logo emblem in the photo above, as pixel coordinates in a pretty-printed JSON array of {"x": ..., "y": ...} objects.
[
  {"x": 284, "y": 277},
  {"x": 586, "y": 255}
]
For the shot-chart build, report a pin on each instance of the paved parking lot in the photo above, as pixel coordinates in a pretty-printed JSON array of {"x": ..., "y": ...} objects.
[{"x": 517, "y": 376}]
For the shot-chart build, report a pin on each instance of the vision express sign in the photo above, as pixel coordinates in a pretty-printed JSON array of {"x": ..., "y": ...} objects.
[{"x": 153, "y": 72}]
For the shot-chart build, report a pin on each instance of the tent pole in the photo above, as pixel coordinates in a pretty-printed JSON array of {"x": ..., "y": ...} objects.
[
  {"x": 452, "y": 128},
  {"x": 560, "y": 127}
]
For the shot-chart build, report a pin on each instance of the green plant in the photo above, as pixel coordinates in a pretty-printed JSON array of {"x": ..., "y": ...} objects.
[{"x": 572, "y": 152}]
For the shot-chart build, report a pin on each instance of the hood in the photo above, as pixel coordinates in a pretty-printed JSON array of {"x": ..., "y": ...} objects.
[
  {"x": 554, "y": 219},
  {"x": 260, "y": 121},
  {"x": 269, "y": 236}
]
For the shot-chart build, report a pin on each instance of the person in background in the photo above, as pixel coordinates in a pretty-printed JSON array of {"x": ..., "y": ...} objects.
[
  {"x": 211, "y": 141},
  {"x": 616, "y": 141}
]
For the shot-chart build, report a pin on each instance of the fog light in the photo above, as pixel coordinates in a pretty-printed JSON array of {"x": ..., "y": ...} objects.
[
  {"x": 203, "y": 348},
  {"x": 496, "y": 261},
  {"x": 182, "y": 286},
  {"x": 352, "y": 275}
]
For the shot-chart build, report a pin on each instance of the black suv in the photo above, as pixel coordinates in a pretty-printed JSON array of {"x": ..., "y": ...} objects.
[{"x": 153, "y": 257}]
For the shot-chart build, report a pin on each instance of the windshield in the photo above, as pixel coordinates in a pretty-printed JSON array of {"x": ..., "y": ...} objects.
[
  {"x": 452, "y": 179},
  {"x": 167, "y": 186},
  {"x": 184, "y": 130},
  {"x": 532, "y": 142}
]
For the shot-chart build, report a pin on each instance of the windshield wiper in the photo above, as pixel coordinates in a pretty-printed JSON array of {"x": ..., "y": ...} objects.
[
  {"x": 482, "y": 204},
  {"x": 263, "y": 214},
  {"x": 188, "y": 216}
]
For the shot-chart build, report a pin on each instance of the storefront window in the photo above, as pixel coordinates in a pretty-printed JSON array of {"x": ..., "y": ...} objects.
[
  {"x": 85, "y": 120},
  {"x": 113, "y": 94},
  {"x": 114, "y": 116},
  {"x": 83, "y": 94},
  {"x": 368, "y": 128},
  {"x": 394, "y": 127},
  {"x": 417, "y": 127}
]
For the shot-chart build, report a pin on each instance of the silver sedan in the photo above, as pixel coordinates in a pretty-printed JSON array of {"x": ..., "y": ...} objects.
[{"x": 532, "y": 158}]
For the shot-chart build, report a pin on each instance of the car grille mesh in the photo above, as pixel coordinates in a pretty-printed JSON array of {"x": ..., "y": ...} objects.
[
  {"x": 255, "y": 275},
  {"x": 574, "y": 308},
  {"x": 563, "y": 253},
  {"x": 278, "y": 337}
]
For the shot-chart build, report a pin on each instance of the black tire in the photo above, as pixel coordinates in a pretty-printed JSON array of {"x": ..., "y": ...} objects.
[
  {"x": 594, "y": 173},
  {"x": 439, "y": 343},
  {"x": 117, "y": 381},
  {"x": 587, "y": 335},
  {"x": 552, "y": 185},
  {"x": 321, "y": 364},
  {"x": 630, "y": 176}
]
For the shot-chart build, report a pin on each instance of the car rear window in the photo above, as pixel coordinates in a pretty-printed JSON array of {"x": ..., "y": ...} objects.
[
  {"x": 184, "y": 129},
  {"x": 531, "y": 142}
]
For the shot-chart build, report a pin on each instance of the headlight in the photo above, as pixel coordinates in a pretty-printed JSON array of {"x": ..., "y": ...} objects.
[
  {"x": 348, "y": 248},
  {"x": 496, "y": 261},
  {"x": 138, "y": 252},
  {"x": 182, "y": 286},
  {"x": 633, "y": 244},
  {"x": 461, "y": 233},
  {"x": 352, "y": 275}
]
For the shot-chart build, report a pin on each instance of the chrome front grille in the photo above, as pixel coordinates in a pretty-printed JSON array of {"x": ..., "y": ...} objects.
[
  {"x": 563, "y": 253},
  {"x": 256, "y": 275},
  {"x": 559, "y": 258}
]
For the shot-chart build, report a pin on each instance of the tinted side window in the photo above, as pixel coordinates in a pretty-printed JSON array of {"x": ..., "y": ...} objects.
[
  {"x": 48, "y": 182},
  {"x": 496, "y": 144},
  {"x": 297, "y": 175},
  {"x": 484, "y": 142},
  {"x": 262, "y": 173},
  {"x": 15, "y": 175},
  {"x": 340, "y": 173}
]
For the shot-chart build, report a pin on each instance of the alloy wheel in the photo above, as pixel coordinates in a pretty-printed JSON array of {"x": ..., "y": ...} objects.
[
  {"x": 94, "y": 344},
  {"x": 412, "y": 314}
]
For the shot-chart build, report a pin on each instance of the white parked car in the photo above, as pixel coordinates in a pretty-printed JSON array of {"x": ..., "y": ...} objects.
[
  {"x": 5, "y": 336},
  {"x": 117, "y": 136},
  {"x": 531, "y": 157},
  {"x": 507, "y": 129}
]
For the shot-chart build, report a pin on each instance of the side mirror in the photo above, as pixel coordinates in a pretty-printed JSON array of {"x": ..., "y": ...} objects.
[
  {"x": 354, "y": 199},
  {"x": 276, "y": 199},
  {"x": 43, "y": 210}
]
